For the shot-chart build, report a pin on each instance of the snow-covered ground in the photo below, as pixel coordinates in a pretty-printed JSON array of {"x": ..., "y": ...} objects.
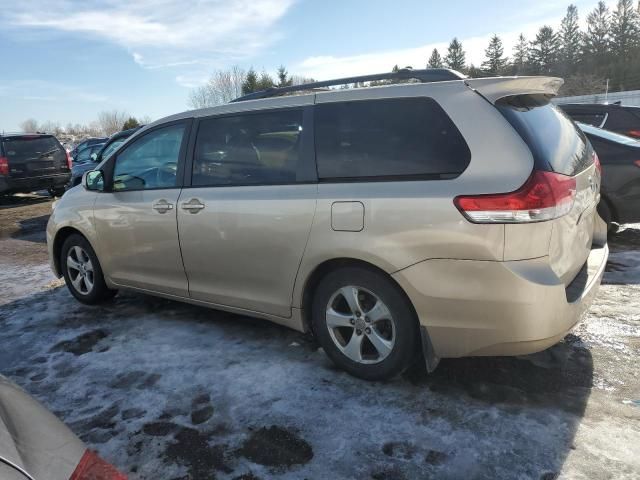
[{"x": 166, "y": 391}]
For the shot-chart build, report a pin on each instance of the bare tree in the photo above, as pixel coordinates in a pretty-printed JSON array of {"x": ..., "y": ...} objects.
[
  {"x": 111, "y": 121},
  {"x": 222, "y": 87},
  {"x": 29, "y": 125},
  {"x": 51, "y": 127},
  {"x": 300, "y": 80}
]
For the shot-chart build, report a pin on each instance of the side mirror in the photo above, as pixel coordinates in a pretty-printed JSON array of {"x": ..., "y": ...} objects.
[
  {"x": 94, "y": 157},
  {"x": 93, "y": 180}
]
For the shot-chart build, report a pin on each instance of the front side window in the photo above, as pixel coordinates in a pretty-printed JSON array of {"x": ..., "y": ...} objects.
[
  {"x": 249, "y": 149},
  {"x": 151, "y": 161},
  {"x": 402, "y": 137}
]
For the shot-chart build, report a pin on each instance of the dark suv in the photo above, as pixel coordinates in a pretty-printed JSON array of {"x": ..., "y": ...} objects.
[
  {"x": 31, "y": 162},
  {"x": 613, "y": 116}
]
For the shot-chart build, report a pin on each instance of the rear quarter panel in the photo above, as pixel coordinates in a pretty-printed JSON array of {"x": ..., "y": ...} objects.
[{"x": 406, "y": 222}]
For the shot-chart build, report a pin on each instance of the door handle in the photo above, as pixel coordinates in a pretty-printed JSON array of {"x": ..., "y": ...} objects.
[
  {"x": 193, "y": 206},
  {"x": 162, "y": 206}
]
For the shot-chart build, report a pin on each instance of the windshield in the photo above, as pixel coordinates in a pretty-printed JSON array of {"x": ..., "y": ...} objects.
[
  {"x": 112, "y": 147},
  {"x": 608, "y": 135}
]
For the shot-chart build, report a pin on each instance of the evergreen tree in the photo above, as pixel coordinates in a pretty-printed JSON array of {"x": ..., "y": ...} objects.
[
  {"x": 455, "y": 58},
  {"x": 250, "y": 83},
  {"x": 130, "y": 123},
  {"x": 597, "y": 39},
  {"x": 570, "y": 41},
  {"x": 435, "y": 60},
  {"x": 520, "y": 65},
  {"x": 624, "y": 29},
  {"x": 265, "y": 81},
  {"x": 283, "y": 77},
  {"x": 625, "y": 32},
  {"x": 495, "y": 61},
  {"x": 544, "y": 50}
]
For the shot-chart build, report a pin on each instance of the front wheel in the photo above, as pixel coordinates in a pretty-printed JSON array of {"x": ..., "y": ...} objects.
[
  {"x": 365, "y": 323},
  {"x": 82, "y": 271}
]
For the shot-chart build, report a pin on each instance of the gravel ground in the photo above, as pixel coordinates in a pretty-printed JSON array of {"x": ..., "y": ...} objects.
[{"x": 170, "y": 391}]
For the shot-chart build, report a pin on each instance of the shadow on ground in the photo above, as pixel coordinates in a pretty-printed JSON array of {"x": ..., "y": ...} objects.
[{"x": 170, "y": 390}]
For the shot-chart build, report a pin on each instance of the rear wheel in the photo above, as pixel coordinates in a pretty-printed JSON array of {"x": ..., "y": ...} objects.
[
  {"x": 82, "y": 271},
  {"x": 364, "y": 323}
]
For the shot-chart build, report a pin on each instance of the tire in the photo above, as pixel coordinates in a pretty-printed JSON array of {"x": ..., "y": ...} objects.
[
  {"x": 604, "y": 210},
  {"x": 56, "y": 192},
  {"x": 397, "y": 326},
  {"x": 92, "y": 289}
]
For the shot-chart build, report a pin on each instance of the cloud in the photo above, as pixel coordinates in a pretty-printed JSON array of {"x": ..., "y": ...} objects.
[{"x": 163, "y": 34}]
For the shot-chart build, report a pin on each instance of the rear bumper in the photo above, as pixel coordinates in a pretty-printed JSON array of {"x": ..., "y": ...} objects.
[
  {"x": 30, "y": 184},
  {"x": 498, "y": 308}
]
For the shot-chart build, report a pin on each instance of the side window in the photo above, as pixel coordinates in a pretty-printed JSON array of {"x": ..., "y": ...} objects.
[
  {"x": 387, "y": 138},
  {"x": 151, "y": 161},
  {"x": 251, "y": 149}
]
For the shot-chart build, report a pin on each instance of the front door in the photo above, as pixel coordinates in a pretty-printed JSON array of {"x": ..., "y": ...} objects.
[
  {"x": 245, "y": 220},
  {"x": 136, "y": 221}
]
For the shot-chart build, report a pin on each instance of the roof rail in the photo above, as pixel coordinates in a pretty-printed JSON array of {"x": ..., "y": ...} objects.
[{"x": 427, "y": 75}]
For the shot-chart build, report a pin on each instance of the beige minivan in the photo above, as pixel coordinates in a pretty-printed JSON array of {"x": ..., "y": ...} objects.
[{"x": 439, "y": 216}]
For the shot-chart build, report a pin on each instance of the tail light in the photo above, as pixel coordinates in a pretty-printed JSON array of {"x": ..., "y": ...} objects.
[
  {"x": 544, "y": 196},
  {"x": 69, "y": 161},
  {"x": 4, "y": 166},
  {"x": 634, "y": 133},
  {"x": 637, "y": 163},
  {"x": 92, "y": 467}
]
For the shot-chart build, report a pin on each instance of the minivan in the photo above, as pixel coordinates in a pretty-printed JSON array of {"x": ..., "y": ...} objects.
[{"x": 437, "y": 217}]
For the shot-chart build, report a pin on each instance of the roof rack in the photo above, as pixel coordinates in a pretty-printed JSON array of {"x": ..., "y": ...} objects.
[{"x": 425, "y": 76}]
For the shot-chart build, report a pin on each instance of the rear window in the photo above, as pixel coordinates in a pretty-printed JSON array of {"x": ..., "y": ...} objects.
[
  {"x": 384, "y": 139},
  {"x": 33, "y": 148},
  {"x": 556, "y": 142}
]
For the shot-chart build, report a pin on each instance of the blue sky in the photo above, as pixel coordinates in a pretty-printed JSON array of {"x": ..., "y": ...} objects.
[{"x": 65, "y": 61}]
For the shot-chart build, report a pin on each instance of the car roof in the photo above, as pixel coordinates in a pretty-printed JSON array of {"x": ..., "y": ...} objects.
[{"x": 25, "y": 135}]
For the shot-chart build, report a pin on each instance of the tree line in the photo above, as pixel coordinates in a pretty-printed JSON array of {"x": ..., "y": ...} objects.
[
  {"x": 607, "y": 51},
  {"x": 107, "y": 123},
  {"x": 609, "y": 48}
]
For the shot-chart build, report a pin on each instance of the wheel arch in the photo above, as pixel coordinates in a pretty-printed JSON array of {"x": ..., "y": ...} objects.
[
  {"x": 328, "y": 266},
  {"x": 58, "y": 241}
]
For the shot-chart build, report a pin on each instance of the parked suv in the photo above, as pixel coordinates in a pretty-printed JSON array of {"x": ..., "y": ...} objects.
[
  {"x": 449, "y": 217},
  {"x": 30, "y": 162},
  {"x": 613, "y": 116}
]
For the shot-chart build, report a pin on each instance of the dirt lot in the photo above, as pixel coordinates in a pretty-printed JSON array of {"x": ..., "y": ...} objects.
[{"x": 170, "y": 391}]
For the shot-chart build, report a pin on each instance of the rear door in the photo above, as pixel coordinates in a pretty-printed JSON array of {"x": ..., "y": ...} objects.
[
  {"x": 35, "y": 156},
  {"x": 245, "y": 219},
  {"x": 559, "y": 146}
]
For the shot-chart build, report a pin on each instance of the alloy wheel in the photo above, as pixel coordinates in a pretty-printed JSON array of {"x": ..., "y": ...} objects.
[{"x": 360, "y": 324}]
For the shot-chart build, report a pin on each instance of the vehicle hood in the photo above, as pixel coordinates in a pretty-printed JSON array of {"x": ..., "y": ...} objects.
[{"x": 32, "y": 439}]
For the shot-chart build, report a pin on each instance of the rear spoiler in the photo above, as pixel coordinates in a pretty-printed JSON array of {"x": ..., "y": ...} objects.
[{"x": 495, "y": 88}]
